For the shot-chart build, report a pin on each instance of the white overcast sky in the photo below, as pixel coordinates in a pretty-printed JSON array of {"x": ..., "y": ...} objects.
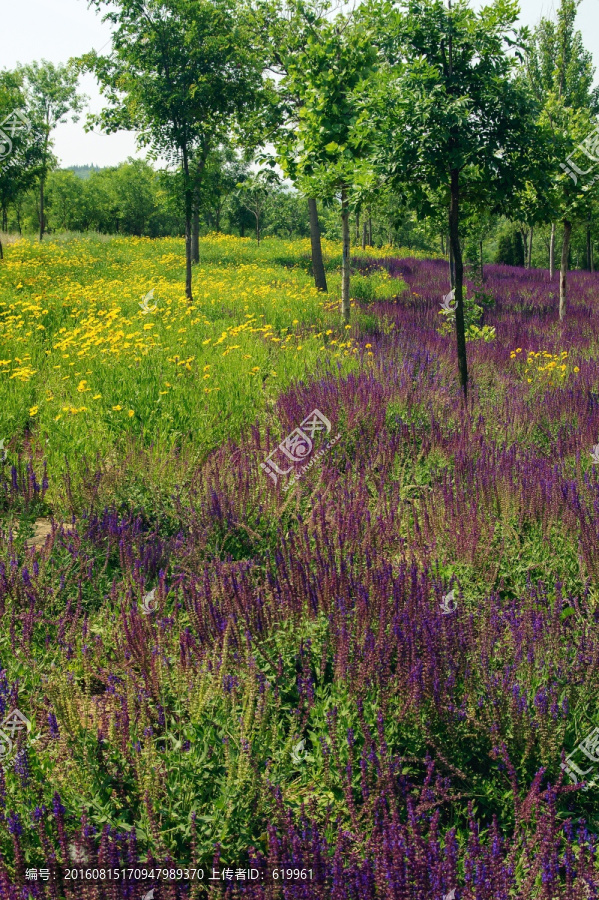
[{"x": 58, "y": 29}]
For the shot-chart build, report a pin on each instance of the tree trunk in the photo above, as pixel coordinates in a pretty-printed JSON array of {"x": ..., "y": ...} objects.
[
  {"x": 454, "y": 237},
  {"x": 482, "y": 267},
  {"x": 552, "y": 252},
  {"x": 195, "y": 232},
  {"x": 188, "y": 198},
  {"x": 525, "y": 242},
  {"x": 451, "y": 263},
  {"x": 589, "y": 248},
  {"x": 42, "y": 229},
  {"x": 257, "y": 216},
  {"x": 529, "y": 266},
  {"x": 563, "y": 272},
  {"x": 345, "y": 256},
  {"x": 370, "y": 244},
  {"x": 320, "y": 278},
  {"x": 364, "y": 236},
  {"x": 442, "y": 244},
  {"x": 357, "y": 226}
]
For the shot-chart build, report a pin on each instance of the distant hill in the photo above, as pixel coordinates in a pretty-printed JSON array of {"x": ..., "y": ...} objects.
[{"x": 84, "y": 171}]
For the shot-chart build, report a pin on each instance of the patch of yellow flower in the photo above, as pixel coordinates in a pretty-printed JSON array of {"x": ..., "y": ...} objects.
[{"x": 542, "y": 367}]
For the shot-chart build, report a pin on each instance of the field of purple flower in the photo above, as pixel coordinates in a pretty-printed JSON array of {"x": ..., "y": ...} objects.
[{"x": 302, "y": 694}]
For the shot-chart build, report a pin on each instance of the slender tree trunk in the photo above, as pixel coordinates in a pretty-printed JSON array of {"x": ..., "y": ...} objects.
[
  {"x": 357, "y": 226},
  {"x": 217, "y": 219},
  {"x": 42, "y": 229},
  {"x": 320, "y": 278},
  {"x": 552, "y": 252},
  {"x": 454, "y": 237},
  {"x": 563, "y": 272},
  {"x": 442, "y": 244},
  {"x": 530, "y": 236},
  {"x": 451, "y": 263},
  {"x": 370, "y": 244},
  {"x": 525, "y": 242},
  {"x": 257, "y": 215},
  {"x": 1, "y": 253},
  {"x": 589, "y": 248},
  {"x": 188, "y": 198},
  {"x": 195, "y": 232},
  {"x": 345, "y": 256},
  {"x": 364, "y": 236},
  {"x": 482, "y": 267}
]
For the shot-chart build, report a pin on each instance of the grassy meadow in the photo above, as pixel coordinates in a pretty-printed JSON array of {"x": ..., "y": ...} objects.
[
  {"x": 375, "y": 676},
  {"x": 84, "y": 371}
]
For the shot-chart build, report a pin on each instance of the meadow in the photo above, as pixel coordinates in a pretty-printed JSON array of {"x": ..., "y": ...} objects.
[{"x": 374, "y": 676}]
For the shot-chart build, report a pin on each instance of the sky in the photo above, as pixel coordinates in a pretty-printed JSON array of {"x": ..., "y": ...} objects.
[{"x": 59, "y": 29}]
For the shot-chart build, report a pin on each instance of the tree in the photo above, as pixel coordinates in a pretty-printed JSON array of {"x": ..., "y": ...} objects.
[
  {"x": 222, "y": 173},
  {"x": 20, "y": 156},
  {"x": 179, "y": 72},
  {"x": 254, "y": 193},
  {"x": 449, "y": 115},
  {"x": 571, "y": 196},
  {"x": 283, "y": 28},
  {"x": 510, "y": 248},
  {"x": 322, "y": 154},
  {"x": 560, "y": 72},
  {"x": 51, "y": 97},
  {"x": 65, "y": 196}
]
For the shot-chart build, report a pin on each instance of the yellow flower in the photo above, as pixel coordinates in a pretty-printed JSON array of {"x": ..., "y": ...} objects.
[
  {"x": 117, "y": 408},
  {"x": 368, "y": 346},
  {"x": 97, "y": 397},
  {"x": 130, "y": 413},
  {"x": 576, "y": 369},
  {"x": 33, "y": 410}
]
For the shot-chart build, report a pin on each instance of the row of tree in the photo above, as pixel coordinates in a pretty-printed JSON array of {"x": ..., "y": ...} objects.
[{"x": 454, "y": 115}]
